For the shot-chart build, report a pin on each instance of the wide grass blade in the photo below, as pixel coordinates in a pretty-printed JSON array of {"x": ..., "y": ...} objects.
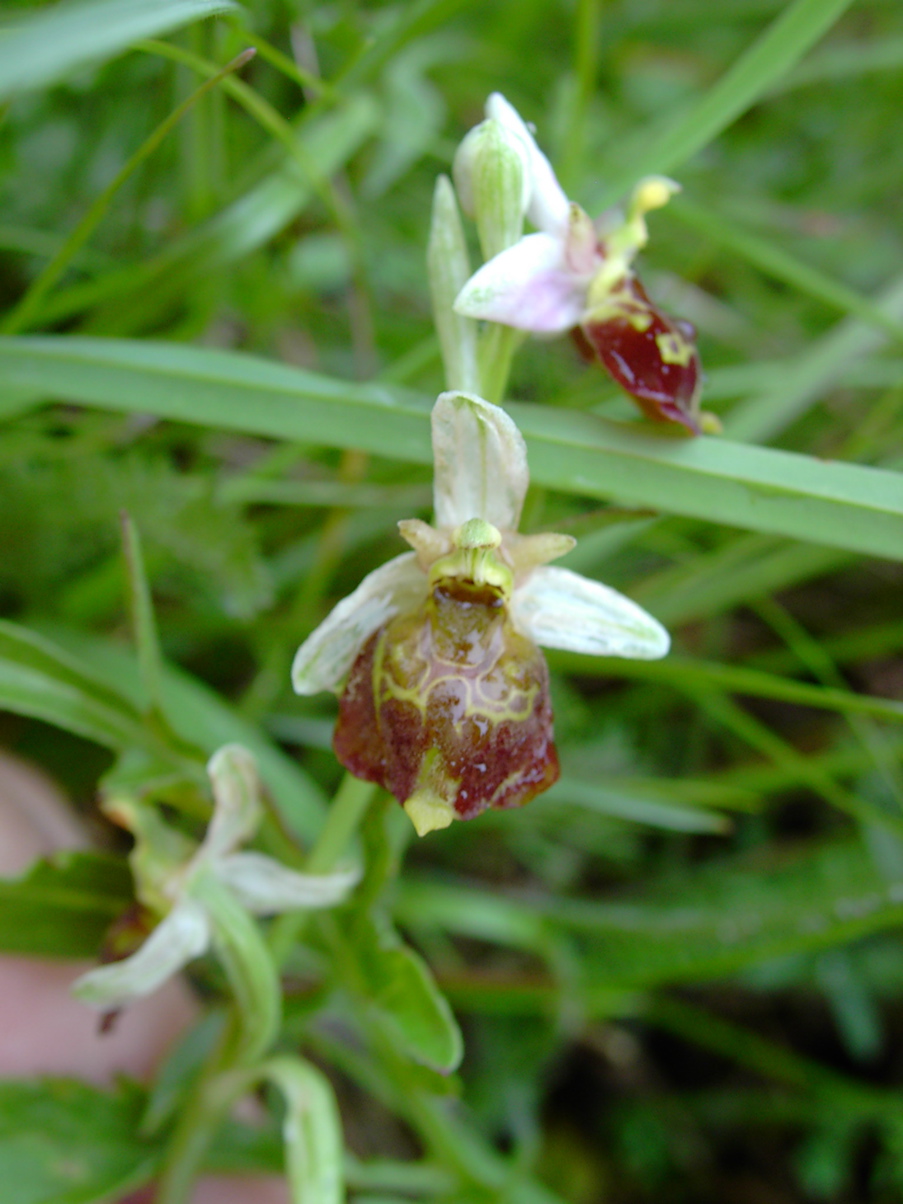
[
  {"x": 48, "y": 45},
  {"x": 759, "y": 489}
]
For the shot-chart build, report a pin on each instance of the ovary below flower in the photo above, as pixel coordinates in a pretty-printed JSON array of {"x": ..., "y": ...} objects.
[
  {"x": 444, "y": 692},
  {"x": 576, "y": 275}
]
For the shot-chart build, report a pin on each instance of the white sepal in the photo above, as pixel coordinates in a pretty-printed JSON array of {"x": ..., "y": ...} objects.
[
  {"x": 548, "y": 206},
  {"x": 236, "y": 795},
  {"x": 560, "y": 609},
  {"x": 183, "y": 935},
  {"x": 265, "y": 887},
  {"x": 480, "y": 463},
  {"x": 326, "y": 656},
  {"x": 530, "y": 287}
]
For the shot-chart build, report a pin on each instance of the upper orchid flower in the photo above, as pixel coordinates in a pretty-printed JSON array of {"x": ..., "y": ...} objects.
[
  {"x": 445, "y": 700},
  {"x": 575, "y": 275},
  {"x": 184, "y": 882}
]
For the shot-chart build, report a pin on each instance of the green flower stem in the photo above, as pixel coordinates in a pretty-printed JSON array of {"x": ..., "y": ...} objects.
[
  {"x": 348, "y": 808},
  {"x": 252, "y": 1027},
  {"x": 200, "y": 1117},
  {"x": 497, "y": 347}
]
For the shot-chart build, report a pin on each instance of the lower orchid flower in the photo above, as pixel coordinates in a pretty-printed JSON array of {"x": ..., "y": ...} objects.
[
  {"x": 444, "y": 692},
  {"x": 184, "y": 882},
  {"x": 575, "y": 275}
]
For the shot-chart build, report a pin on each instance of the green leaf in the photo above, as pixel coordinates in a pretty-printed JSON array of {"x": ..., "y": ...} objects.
[
  {"x": 144, "y": 625},
  {"x": 229, "y": 235},
  {"x": 63, "y": 906},
  {"x": 400, "y": 987},
  {"x": 635, "y": 805},
  {"x": 41, "y": 680},
  {"x": 312, "y": 1131},
  {"x": 759, "y": 489},
  {"x": 52, "y": 43},
  {"x": 203, "y": 719},
  {"x": 62, "y": 1142}
]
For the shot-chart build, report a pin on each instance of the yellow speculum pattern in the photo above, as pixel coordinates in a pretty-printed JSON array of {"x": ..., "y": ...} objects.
[{"x": 419, "y": 676}]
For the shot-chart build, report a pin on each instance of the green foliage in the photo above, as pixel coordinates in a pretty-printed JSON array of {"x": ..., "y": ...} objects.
[
  {"x": 678, "y": 973},
  {"x": 62, "y": 1142},
  {"x": 63, "y": 907}
]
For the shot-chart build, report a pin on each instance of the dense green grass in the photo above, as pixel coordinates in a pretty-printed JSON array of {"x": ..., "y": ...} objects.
[{"x": 678, "y": 975}]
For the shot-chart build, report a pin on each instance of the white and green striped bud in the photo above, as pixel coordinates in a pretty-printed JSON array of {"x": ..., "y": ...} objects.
[{"x": 494, "y": 184}]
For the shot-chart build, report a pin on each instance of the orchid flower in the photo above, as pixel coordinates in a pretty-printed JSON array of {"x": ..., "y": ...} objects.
[
  {"x": 575, "y": 275},
  {"x": 444, "y": 692},
  {"x": 180, "y": 881}
]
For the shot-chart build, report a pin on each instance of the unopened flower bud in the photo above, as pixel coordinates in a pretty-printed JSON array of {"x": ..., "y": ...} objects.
[{"x": 493, "y": 181}]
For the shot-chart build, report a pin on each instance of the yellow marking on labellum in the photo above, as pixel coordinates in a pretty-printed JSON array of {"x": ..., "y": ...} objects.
[{"x": 674, "y": 348}]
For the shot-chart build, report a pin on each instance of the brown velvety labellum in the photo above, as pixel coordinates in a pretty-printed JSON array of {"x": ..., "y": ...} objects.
[
  {"x": 451, "y": 698},
  {"x": 651, "y": 356}
]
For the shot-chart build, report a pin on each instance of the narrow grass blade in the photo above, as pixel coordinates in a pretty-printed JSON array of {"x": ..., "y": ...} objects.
[
  {"x": 781, "y": 265},
  {"x": 812, "y": 374},
  {"x": 144, "y": 625},
  {"x": 782, "y": 45},
  {"x": 30, "y": 304}
]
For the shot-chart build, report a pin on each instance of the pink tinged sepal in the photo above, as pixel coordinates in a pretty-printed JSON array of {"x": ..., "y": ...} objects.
[
  {"x": 530, "y": 287},
  {"x": 651, "y": 356},
  {"x": 448, "y": 708}
]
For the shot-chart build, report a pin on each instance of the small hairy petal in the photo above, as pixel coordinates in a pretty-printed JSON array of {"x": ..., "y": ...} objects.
[
  {"x": 323, "y": 660},
  {"x": 451, "y": 703},
  {"x": 561, "y": 609},
  {"x": 480, "y": 463},
  {"x": 183, "y": 935},
  {"x": 650, "y": 355},
  {"x": 529, "y": 286}
]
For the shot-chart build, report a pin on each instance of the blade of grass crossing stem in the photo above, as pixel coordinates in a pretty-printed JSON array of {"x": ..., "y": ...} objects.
[
  {"x": 30, "y": 305},
  {"x": 48, "y": 45},
  {"x": 782, "y": 44},
  {"x": 843, "y": 505}
]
